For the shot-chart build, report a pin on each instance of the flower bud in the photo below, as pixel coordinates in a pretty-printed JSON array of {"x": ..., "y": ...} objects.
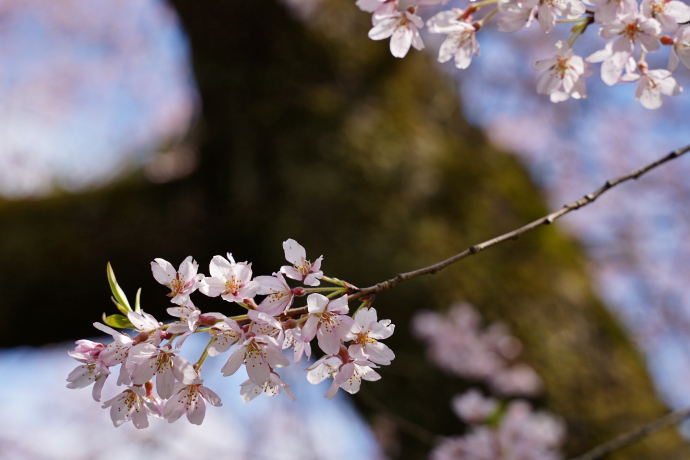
[
  {"x": 666, "y": 40},
  {"x": 299, "y": 291}
]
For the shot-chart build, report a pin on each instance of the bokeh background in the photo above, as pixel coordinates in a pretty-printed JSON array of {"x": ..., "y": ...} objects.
[{"x": 139, "y": 129}]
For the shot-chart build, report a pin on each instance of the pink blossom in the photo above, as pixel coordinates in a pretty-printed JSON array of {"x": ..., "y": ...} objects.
[
  {"x": 324, "y": 368},
  {"x": 520, "y": 379},
  {"x": 271, "y": 387},
  {"x": 461, "y": 42},
  {"x": 279, "y": 296},
  {"x": 225, "y": 334},
  {"x": 190, "y": 399},
  {"x": 347, "y": 376},
  {"x": 668, "y": 13},
  {"x": 131, "y": 405},
  {"x": 403, "y": 29},
  {"x": 294, "y": 339},
  {"x": 260, "y": 354},
  {"x": 143, "y": 321},
  {"x": 472, "y": 407},
  {"x": 232, "y": 281},
  {"x": 350, "y": 376},
  {"x": 549, "y": 10},
  {"x": 479, "y": 444},
  {"x": 516, "y": 14},
  {"x": 630, "y": 28},
  {"x": 146, "y": 361},
  {"x": 652, "y": 84},
  {"x": 301, "y": 269},
  {"x": 93, "y": 372},
  {"x": 564, "y": 76},
  {"x": 97, "y": 359},
  {"x": 680, "y": 52},
  {"x": 265, "y": 324},
  {"x": 365, "y": 333},
  {"x": 608, "y": 10},
  {"x": 189, "y": 321},
  {"x": 327, "y": 322},
  {"x": 181, "y": 282}
]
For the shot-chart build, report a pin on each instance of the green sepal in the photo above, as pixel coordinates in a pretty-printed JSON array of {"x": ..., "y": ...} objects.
[
  {"x": 117, "y": 291},
  {"x": 118, "y": 321},
  {"x": 137, "y": 302}
]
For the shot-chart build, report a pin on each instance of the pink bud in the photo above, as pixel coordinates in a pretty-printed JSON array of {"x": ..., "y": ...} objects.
[
  {"x": 299, "y": 291},
  {"x": 209, "y": 320}
]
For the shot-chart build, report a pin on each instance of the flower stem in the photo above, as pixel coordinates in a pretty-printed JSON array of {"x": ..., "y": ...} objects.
[
  {"x": 338, "y": 292},
  {"x": 203, "y": 356},
  {"x": 335, "y": 281},
  {"x": 487, "y": 17}
]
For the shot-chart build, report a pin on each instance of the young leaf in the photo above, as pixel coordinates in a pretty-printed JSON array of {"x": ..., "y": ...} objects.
[
  {"x": 118, "y": 321},
  {"x": 137, "y": 303},
  {"x": 117, "y": 291}
]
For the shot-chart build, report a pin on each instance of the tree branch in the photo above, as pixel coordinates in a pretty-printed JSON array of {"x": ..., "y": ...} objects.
[
  {"x": 635, "y": 435},
  {"x": 548, "y": 219}
]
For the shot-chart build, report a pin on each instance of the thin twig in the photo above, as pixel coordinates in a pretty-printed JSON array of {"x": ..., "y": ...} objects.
[
  {"x": 635, "y": 435},
  {"x": 548, "y": 219}
]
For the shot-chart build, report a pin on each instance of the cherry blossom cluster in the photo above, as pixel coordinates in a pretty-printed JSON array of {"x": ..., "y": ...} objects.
[
  {"x": 631, "y": 30},
  {"x": 458, "y": 344},
  {"x": 351, "y": 345},
  {"x": 501, "y": 433},
  {"x": 499, "y": 429}
]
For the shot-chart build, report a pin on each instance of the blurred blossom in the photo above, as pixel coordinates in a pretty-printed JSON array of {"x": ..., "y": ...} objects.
[
  {"x": 522, "y": 434},
  {"x": 473, "y": 407},
  {"x": 458, "y": 344}
]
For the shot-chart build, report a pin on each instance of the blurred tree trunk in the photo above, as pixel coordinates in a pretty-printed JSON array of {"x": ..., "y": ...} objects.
[{"x": 320, "y": 135}]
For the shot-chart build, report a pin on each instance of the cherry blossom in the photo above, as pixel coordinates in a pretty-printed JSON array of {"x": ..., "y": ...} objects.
[
  {"x": 144, "y": 322},
  {"x": 372, "y": 5},
  {"x": 294, "y": 338},
  {"x": 131, "y": 405},
  {"x": 261, "y": 354},
  {"x": 301, "y": 269},
  {"x": 265, "y": 324},
  {"x": 327, "y": 322},
  {"x": 680, "y": 52},
  {"x": 629, "y": 29},
  {"x": 350, "y": 376},
  {"x": 225, "y": 334},
  {"x": 181, "y": 282},
  {"x": 652, "y": 84},
  {"x": 461, "y": 42},
  {"x": 146, "y": 361},
  {"x": 550, "y": 9},
  {"x": 403, "y": 29},
  {"x": 190, "y": 399},
  {"x": 93, "y": 372},
  {"x": 271, "y": 387},
  {"x": 324, "y": 368},
  {"x": 189, "y": 321},
  {"x": 564, "y": 74},
  {"x": 365, "y": 333},
  {"x": 279, "y": 296},
  {"x": 608, "y": 10},
  {"x": 516, "y": 14},
  {"x": 232, "y": 281},
  {"x": 473, "y": 407},
  {"x": 522, "y": 434},
  {"x": 668, "y": 13}
]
